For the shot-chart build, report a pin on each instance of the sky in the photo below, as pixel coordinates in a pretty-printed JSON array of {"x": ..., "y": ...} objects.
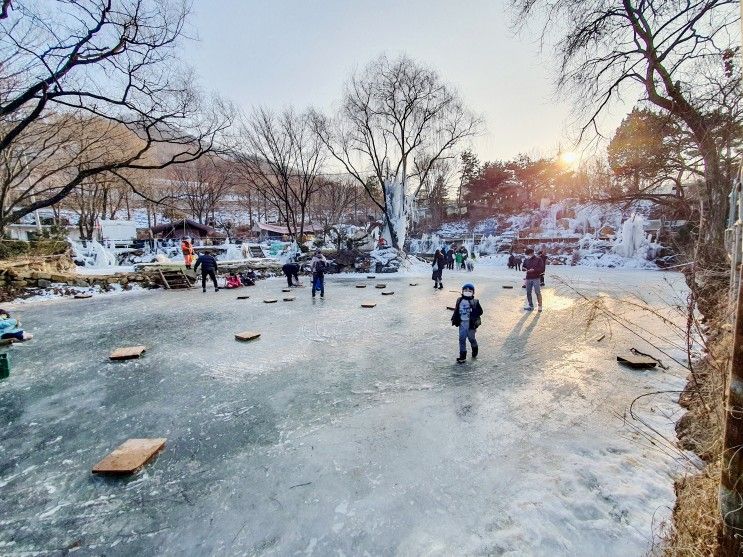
[{"x": 280, "y": 53}]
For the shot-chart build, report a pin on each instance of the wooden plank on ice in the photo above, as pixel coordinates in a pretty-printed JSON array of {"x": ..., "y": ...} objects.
[
  {"x": 127, "y": 353},
  {"x": 270, "y": 301},
  {"x": 368, "y": 304},
  {"x": 243, "y": 297},
  {"x": 360, "y": 286},
  {"x": 380, "y": 286},
  {"x": 507, "y": 286},
  {"x": 247, "y": 335},
  {"x": 289, "y": 299},
  {"x": 286, "y": 290},
  {"x": 388, "y": 293},
  {"x": 130, "y": 456},
  {"x": 413, "y": 284}
]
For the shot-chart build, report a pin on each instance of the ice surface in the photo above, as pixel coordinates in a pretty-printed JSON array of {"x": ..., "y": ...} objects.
[{"x": 341, "y": 430}]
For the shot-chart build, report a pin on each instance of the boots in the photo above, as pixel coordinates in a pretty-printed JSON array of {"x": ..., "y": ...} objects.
[
  {"x": 441, "y": 286},
  {"x": 474, "y": 352},
  {"x": 462, "y": 357}
]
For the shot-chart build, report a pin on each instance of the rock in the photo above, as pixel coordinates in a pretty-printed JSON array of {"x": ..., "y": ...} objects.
[
  {"x": 44, "y": 283},
  {"x": 19, "y": 284},
  {"x": 59, "y": 278},
  {"x": 82, "y": 284},
  {"x": 41, "y": 275}
]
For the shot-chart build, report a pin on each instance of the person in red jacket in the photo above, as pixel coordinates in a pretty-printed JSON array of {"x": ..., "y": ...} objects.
[{"x": 534, "y": 267}]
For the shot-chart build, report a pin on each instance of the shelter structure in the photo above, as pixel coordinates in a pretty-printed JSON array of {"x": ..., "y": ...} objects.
[
  {"x": 185, "y": 228},
  {"x": 281, "y": 233}
]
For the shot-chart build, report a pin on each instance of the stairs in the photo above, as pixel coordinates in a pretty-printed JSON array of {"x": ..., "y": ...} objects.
[
  {"x": 174, "y": 279},
  {"x": 256, "y": 251}
]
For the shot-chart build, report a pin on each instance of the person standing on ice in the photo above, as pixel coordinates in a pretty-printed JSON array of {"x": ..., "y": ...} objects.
[
  {"x": 317, "y": 267},
  {"x": 534, "y": 267},
  {"x": 439, "y": 262},
  {"x": 467, "y": 316},
  {"x": 543, "y": 257},
  {"x": 209, "y": 268},
  {"x": 187, "y": 251},
  {"x": 517, "y": 261},
  {"x": 450, "y": 259}
]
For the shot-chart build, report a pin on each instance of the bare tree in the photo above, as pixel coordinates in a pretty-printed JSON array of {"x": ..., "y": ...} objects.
[
  {"x": 397, "y": 119},
  {"x": 334, "y": 201},
  {"x": 202, "y": 185},
  {"x": 282, "y": 157},
  {"x": 661, "y": 50},
  {"x": 79, "y": 60}
]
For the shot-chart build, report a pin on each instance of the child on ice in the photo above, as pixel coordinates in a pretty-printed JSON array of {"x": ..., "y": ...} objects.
[{"x": 467, "y": 316}]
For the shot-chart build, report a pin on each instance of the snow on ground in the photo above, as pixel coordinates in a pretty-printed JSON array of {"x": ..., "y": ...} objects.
[{"x": 342, "y": 430}]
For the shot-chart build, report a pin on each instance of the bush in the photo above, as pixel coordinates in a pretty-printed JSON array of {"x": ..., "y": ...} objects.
[{"x": 16, "y": 248}]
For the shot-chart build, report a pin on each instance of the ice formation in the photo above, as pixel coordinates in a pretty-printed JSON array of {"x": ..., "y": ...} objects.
[{"x": 397, "y": 211}]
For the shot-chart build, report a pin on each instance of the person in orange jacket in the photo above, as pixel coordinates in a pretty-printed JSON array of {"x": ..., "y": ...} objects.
[{"x": 187, "y": 249}]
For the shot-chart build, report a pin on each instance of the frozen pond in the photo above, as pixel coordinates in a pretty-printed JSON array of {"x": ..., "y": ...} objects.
[{"x": 342, "y": 430}]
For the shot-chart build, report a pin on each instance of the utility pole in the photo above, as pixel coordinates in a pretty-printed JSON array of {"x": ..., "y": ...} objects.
[
  {"x": 731, "y": 487},
  {"x": 731, "y": 490}
]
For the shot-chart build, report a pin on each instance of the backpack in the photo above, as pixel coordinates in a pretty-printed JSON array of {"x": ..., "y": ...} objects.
[{"x": 320, "y": 267}]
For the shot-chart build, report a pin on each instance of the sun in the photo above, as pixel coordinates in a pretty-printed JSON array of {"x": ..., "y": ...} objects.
[{"x": 568, "y": 158}]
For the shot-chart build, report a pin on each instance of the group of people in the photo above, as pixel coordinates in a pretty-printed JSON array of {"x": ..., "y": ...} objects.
[
  {"x": 210, "y": 267},
  {"x": 447, "y": 258},
  {"x": 318, "y": 267}
]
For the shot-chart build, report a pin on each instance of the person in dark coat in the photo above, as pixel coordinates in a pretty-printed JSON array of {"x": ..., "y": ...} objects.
[
  {"x": 543, "y": 257},
  {"x": 467, "y": 316},
  {"x": 534, "y": 267},
  {"x": 511, "y": 261},
  {"x": 317, "y": 267},
  {"x": 209, "y": 268},
  {"x": 439, "y": 262},
  {"x": 517, "y": 262},
  {"x": 450, "y": 259},
  {"x": 291, "y": 271}
]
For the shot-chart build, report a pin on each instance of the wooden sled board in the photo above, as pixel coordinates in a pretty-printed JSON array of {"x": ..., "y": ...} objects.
[
  {"x": 368, "y": 304},
  {"x": 247, "y": 335},
  {"x": 451, "y": 308},
  {"x": 639, "y": 362},
  {"x": 127, "y": 353},
  {"x": 270, "y": 301},
  {"x": 360, "y": 286},
  {"x": 413, "y": 284},
  {"x": 371, "y": 276},
  {"x": 506, "y": 286},
  {"x": 83, "y": 296},
  {"x": 130, "y": 456},
  {"x": 243, "y": 297},
  {"x": 380, "y": 286},
  {"x": 286, "y": 290},
  {"x": 388, "y": 293},
  {"x": 289, "y": 299}
]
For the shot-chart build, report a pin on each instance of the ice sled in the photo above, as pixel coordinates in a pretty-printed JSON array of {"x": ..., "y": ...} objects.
[
  {"x": 130, "y": 456},
  {"x": 636, "y": 361},
  {"x": 127, "y": 353},
  {"x": 247, "y": 335}
]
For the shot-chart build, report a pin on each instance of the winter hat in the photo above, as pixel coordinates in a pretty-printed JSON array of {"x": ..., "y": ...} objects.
[{"x": 468, "y": 286}]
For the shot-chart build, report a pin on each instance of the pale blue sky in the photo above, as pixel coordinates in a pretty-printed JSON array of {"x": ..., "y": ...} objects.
[{"x": 291, "y": 52}]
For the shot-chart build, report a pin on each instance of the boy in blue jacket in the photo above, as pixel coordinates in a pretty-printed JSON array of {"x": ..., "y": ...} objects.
[{"x": 467, "y": 316}]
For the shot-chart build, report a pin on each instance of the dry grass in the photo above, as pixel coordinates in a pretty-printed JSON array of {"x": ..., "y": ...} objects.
[{"x": 696, "y": 518}]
